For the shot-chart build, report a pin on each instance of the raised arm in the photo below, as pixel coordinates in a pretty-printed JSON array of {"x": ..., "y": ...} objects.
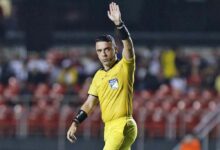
[
  {"x": 85, "y": 110},
  {"x": 114, "y": 15}
]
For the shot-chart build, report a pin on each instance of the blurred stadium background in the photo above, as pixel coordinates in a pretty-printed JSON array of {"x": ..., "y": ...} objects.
[{"x": 48, "y": 58}]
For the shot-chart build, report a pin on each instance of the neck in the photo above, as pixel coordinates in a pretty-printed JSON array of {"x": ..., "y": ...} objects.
[{"x": 106, "y": 68}]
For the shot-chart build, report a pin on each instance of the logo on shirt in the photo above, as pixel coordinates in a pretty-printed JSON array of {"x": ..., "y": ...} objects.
[{"x": 113, "y": 83}]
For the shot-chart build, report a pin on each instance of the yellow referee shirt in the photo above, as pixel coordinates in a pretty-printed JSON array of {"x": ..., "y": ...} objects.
[{"x": 114, "y": 89}]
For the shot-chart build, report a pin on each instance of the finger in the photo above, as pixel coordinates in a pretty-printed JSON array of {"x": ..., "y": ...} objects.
[
  {"x": 109, "y": 14},
  {"x": 112, "y": 3},
  {"x": 111, "y": 7},
  {"x": 74, "y": 138},
  {"x": 69, "y": 138},
  {"x": 117, "y": 7}
]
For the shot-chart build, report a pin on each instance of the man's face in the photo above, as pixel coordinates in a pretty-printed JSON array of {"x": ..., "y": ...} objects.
[{"x": 106, "y": 53}]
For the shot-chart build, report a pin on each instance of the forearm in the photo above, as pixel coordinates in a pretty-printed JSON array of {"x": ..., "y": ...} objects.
[
  {"x": 128, "y": 48},
  {"x": 86, "y": 109},
  {"x": 128, "y": 51}
]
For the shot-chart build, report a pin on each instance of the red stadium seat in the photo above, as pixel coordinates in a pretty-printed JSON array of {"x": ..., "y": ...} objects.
[
  {"x": 191, "y": 121},
  {"x": 2, "y": 100},
  {"x": 96, "y": 125},
  {"x": 155, "y": 124},
  {"x": 66, "y": 116},
  {"x": 1, "y": 89},
  {"x": 186, "y": 122},
  {"x": 56, "y": 94},
  {"x": 50, "y": 121},
  {"x": 7, "y": 121},
  {"x": 35, "y": 119}
]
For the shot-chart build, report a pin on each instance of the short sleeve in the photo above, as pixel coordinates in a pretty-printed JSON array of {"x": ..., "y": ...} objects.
[
  {"x": 93, "y": 88},
  {"x": 128, "y": 61},
  {"x": 129, "y": 68}
]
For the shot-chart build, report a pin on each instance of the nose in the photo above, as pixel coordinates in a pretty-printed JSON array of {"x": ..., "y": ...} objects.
[{"x": 104, "y": 54}]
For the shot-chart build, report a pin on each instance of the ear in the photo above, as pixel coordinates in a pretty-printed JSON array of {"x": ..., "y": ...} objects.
[{"x": 116, "y": 49}]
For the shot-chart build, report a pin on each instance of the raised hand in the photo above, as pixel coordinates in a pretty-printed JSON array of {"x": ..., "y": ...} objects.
[{"x": 114, "y": 13}]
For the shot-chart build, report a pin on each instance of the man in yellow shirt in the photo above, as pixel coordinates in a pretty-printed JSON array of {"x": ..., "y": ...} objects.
[{"x": 112, "y": 88}]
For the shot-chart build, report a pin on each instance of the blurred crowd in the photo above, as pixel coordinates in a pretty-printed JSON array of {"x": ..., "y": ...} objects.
[
  {"x": 179, "y": 83},
  {"x": 181, "y": 69}
]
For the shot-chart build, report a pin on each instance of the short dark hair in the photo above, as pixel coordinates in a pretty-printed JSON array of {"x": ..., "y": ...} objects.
[{"x": 105, "y": 38}]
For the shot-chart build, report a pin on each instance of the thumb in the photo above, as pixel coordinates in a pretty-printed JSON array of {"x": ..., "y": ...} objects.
[{"x": 109, "y": 15}]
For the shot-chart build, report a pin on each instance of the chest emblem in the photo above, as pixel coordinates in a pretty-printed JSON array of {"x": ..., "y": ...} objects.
[{"x": 113, "y": 83}]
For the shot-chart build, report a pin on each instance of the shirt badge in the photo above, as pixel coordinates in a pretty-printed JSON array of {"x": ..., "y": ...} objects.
[{"x": 113, "y": 83}]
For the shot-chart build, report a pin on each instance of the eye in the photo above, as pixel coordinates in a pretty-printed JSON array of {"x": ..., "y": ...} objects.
[
  {"x": 98, "y": 50},
  {"x": 107, "y": 49}
]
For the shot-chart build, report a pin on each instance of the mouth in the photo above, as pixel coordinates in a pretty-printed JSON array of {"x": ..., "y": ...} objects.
[{"x": 105, "y": 60}]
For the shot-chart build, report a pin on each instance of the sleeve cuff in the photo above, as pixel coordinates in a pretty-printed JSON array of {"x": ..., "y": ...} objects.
[
  {"x": 128, "y": 60},
  {"x": 93, "y": 94}
]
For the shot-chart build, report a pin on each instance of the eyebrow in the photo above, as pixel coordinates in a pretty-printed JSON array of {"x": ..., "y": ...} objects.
[{"x": 108, "y": 47}]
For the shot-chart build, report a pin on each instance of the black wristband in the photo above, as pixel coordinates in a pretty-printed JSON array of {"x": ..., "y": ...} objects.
[
  {"x": 120, "y": 25},
  {"x": 80, "y": 117},
  {"x": 123, "y": 31}
]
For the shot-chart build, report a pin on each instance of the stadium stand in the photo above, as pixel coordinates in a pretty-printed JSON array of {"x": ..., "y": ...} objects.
[{"x": 170, "y": 99}]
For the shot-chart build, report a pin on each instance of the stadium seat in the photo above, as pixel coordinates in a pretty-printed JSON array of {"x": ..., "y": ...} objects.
[
  {"x": 7, "y": 121},
  {"x": 155, "y": 123},
  {"x": 50, "y": 121},
  {"x": 35, "y": 119},
  {"x": 67, "y": 114},
  {"x": 1, "y": 88},
  {"x": 191, "y": 121},
  {"x": 96, "y": 124}
]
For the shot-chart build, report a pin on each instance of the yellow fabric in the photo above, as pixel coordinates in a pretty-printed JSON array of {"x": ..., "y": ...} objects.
[
  {"x": 168, "y": 63},
  {"x": 68, "y": 76},
  {"x": 120, "y": 134},
  {"x": 114, "y": 89},
  {"x": 217, "y": 84},
  {"x": 6, "y": 7}
]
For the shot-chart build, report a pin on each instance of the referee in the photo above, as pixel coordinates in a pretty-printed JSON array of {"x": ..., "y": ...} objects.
[{"x": 112, "y": 88}]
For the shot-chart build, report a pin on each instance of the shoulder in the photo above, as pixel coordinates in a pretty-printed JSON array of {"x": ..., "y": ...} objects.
[{"x": 97, "y": 73}]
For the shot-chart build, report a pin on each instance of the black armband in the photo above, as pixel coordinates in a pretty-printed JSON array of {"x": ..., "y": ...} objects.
[
  {"x": 80, "y": 117},
  {"x": 123, "y": 31}
]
